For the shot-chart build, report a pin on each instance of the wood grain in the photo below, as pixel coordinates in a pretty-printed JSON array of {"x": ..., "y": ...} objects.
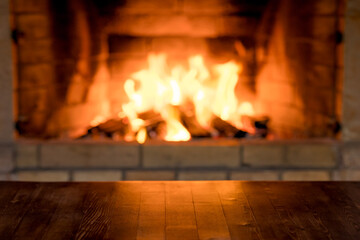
[{"x": 180, "y": 210}]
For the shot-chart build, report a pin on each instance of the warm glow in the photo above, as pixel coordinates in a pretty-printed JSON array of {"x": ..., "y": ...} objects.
[
  {"x": 246, "y": 109},
  {"x": 97, "y": 120},
  {"x": 165, "y": 90},
  {"x": 141, "y": 136}
]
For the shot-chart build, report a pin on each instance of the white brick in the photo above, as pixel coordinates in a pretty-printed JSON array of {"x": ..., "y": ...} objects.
[
  {"x": 351, "y": 155},
  {"x": 150, "y": 175},
  {"x": 6, "y": 159},
  {"x": 259, "y": 155},
  {"x": 255, "y": 176},
  {"x": 347, "y": 175},
  {"x": 97, "y": 176},
  {"x": 6, "y": 88},
  {"x": 90, "y": 155},
  {"x": 351, "y": 96},
  {"x": 306, "y": 176},
  {"x": 26, "y": 155},
  {"x": 314, "y": 155},
  {"x": 42, "y": 176},
  {"x": 202, "y": 175},
  {"x": 191, "y": 154}
]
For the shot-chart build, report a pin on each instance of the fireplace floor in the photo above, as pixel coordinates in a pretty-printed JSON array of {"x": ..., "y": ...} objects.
[{"x": 180, "y": 210}]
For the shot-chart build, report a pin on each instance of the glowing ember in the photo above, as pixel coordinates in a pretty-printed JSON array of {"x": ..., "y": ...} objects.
[{"x": 167, "y": 92}]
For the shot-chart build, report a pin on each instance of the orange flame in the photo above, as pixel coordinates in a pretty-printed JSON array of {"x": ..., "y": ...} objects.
[{"x": 158, "y": 89}]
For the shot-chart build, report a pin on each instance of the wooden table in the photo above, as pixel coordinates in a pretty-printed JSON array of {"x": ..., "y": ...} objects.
[{"x": 180, "y": 210}]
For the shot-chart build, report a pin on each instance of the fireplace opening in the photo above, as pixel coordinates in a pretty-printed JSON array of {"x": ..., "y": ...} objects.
[{"x": 177, "y": 70}]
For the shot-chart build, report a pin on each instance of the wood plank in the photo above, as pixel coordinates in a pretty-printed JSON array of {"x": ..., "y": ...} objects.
[
  {"x": 180, "y": 212},
  {"x": 298, "y": 219},
  {"x": 237, "y": 211},
  {"x": 96, "y": 209},
  {"x": 13, "y": 212},
  {"x": 125, "y": 207},
  {"x": 151, "y": 224},
  {"x": 352, "y": 190},
  {"x": 265, "y": 215},
  {"x": 67, "y": 217},
  {"x": 320, "y": 204},
  {"x": 210, "y": 217},
  {"x": 36, "y": 219},
  {"x": 347, "y": 210}
]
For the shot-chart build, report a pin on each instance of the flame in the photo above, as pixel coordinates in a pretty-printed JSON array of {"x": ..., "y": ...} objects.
[
  {"x": 97, "y": 120},
  {"x": 163, "y": 90},
  {"x": 141, "y": 136}
]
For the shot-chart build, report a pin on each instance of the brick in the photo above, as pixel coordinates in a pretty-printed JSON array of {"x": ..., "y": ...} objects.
[
  {"x": 35, "y": 75},
  {"x": 202, "y": 175},
  {"x": 346, "y": 175},
  {"x": 149, "y": 175},
  {"x": 237, "y": 26},
  {"x": 6, "y": 159},
  {"x": 351, "y": 96},
  {"x": 89, "y": 155},
  {"x": 353, "y": 8},
  {"x": 306, "y": 176},
  {"x": 5, "y": 25},
  {"x": 75, "y": 116},
  {"x": 6, "y": 177},
  {"x": 36, "y": 51},
  {"x": 351, "y": 155},
  {"x": 255, "y": 176},
  {"x": 42, "y": 176},
  {"x": 221, "y": 7},
  {"x": 314, "y": 155},
  {"x": 34, "y": 26},
  {"x": 286, "y": 89},
  {"x": 180, "y": 46},
  {"x": 320, "y": 76},
  {"x": 128, "y": 45},
  {"x": 319, "y": 100},
  {"x": 287, "y": 116},
  {"x": 26, "y": 155},
  {"x": 190, "y": 155},
  {"x": 168, "y": 25},
  {"x": 145, "y": 6},
  {"x": 261, "y": 155},
  {"x": 122, "y": 68},
  {"x": 30, "y": 6},
  {"x": 96, "y": 176},
  {"x": 6, "y": 88}
]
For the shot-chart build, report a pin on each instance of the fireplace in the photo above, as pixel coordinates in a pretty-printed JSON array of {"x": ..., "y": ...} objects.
[
  {"x": 120, "y": 60},
  {"x": 78, "y": 65}
]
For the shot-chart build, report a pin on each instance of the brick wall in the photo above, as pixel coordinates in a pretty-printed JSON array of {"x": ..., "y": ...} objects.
[
  {"x": 198, "y": 160},
  {"x": 59, "y": 161},
  {"x": 6, "y": 85},
  {"x": 300, "y": 67},
  {"x": 63, "y": 51}
]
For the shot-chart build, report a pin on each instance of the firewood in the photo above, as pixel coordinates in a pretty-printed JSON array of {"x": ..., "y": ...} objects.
[
  {"x": 224, "y": 128},
  {"x": 190, "y": 122}
]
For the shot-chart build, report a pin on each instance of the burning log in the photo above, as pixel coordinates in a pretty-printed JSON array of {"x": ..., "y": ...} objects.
[
  {"x": 190, "y": 122},
  {"x": 110, "y": 128},
  {"x": 226, "y": 129},
  {"x": 114, "y": 125},
  {"x": 154, "y": 124}
]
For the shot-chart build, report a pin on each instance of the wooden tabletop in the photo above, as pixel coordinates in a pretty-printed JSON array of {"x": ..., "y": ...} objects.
[{"x": 180, "y": 210}]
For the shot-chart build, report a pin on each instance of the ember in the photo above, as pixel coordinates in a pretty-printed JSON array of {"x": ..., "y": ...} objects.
[{"x": 180, "y": 103}]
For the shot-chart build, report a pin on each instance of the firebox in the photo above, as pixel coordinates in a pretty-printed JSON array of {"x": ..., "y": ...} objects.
[
  {"x": 179, "y": 90},
  {"x": 176, "y": 69}
]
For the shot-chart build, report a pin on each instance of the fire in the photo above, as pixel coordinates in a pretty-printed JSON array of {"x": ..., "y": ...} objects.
[{"x": 165, "y": 91}]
